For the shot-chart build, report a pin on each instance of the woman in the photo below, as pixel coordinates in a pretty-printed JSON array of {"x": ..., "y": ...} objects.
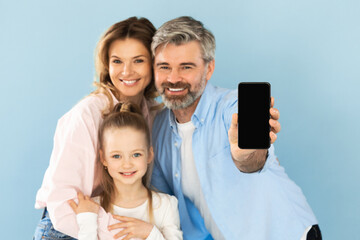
[{"x": 124, "y": 69}]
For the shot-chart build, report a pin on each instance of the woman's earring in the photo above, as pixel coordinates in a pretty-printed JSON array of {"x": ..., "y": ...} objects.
[{"x": 105, "y": 167}]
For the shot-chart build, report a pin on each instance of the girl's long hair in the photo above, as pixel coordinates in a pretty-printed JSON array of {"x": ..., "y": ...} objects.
[{"x": 123, "y": 115}]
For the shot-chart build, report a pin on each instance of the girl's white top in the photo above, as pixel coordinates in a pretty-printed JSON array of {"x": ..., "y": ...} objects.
[{"x": 166, "y": 218}]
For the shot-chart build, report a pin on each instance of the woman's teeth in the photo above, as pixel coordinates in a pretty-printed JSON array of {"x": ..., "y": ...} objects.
[{"x": 129, "y": 82}]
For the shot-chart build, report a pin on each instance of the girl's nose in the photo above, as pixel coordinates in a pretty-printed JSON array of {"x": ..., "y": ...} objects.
[{"x": 127, "y": 163}]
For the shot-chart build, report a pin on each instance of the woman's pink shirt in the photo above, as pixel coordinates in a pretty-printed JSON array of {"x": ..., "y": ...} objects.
[{"x": 73, "y": 164}]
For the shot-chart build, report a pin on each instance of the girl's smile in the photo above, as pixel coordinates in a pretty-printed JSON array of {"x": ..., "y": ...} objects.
[{"x": 128, "y": 174}]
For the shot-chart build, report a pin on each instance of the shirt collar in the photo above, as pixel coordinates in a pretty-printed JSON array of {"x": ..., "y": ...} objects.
[
  {"x": 172, "y": 120},
  {"x": 202, "y": 109}
]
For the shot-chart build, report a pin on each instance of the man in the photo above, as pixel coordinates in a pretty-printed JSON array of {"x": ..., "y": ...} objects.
[{"x": 197, "y": 157}]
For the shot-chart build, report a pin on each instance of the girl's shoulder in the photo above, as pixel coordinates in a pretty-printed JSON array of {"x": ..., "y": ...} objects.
[{"x": 163, "y": 200}]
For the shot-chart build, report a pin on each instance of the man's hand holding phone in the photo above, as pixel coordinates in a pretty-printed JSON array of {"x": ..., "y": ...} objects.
[{"x": 251, "y": 160}]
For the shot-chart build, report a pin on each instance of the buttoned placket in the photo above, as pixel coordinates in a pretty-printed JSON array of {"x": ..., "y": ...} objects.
[{"x": 176, "y": 145}]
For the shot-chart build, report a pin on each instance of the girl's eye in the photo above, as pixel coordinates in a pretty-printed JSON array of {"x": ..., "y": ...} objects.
[
  {"x": 136, "y": 155},
  {"x": 116, "y": 61},
  {"x": 116, "y": 156}
]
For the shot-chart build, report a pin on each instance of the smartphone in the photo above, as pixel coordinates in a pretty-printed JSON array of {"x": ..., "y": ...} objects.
[{"x": 253, "y": 115}]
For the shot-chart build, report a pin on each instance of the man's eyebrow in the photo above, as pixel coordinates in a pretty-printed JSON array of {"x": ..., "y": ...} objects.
[
  {"x": 162, "y": 64},
  {"x": 181, "y": 64},
  {"x": 188, "y": 63}
]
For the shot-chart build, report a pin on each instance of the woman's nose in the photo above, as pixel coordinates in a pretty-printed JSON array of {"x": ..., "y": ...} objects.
[{"x": 127, "y": 69}]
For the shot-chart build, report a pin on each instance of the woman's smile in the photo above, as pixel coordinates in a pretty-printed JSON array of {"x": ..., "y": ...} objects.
[{"x": 129, "y": 82}]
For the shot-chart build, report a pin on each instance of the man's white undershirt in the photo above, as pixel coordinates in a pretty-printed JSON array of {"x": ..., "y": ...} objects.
[{"x": 190, "y": 179}]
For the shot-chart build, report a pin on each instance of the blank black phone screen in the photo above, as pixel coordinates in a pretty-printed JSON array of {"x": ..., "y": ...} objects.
[{"x": 253, "y": 115}]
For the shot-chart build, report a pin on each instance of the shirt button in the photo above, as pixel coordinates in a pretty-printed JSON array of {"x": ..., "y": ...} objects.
[
  {"x": 175, "y": 144},
  {"x": 176, "y": 175}
]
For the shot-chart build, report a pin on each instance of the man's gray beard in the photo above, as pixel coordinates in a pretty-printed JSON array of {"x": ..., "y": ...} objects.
[{"x": 187, "y": 100}]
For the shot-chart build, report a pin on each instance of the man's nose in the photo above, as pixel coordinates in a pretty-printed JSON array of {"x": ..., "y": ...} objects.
[{"x": 174, "y": 76}]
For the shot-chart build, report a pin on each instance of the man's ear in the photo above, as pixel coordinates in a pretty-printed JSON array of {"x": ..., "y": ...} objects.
[
  {"x": 102, "y": 158},
  {"x": 210, "y": 69},
  {"x": 151, "y": 155}
]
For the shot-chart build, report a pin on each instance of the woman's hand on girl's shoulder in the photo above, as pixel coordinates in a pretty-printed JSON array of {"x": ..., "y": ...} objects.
[{"x": 85, "y": 204}]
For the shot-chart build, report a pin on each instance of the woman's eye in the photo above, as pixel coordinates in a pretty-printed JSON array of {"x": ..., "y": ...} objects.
[
  {"x": 116, "y": 61},
  {"x": 139, "y": 60},
  {"x": 116, "y": 156},
  {"x": 136, "y": 155}
]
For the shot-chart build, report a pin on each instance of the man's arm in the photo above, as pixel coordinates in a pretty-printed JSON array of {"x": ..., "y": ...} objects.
[{"x": 252, "y": 160}]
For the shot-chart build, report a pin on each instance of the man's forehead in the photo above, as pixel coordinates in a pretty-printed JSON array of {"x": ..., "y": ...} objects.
[{"x": 190, "y": 49}]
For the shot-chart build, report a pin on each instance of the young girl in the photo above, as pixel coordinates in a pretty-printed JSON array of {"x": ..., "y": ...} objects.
[{"x": 125, "y": 154}]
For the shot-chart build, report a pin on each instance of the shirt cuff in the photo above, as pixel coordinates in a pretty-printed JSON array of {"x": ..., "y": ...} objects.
[
  {"x": 87, "y": 218},
  {"x": 271, "y": 158},
  {"x": 155, "y": 234},
  {"x": 87, "y": 222}
]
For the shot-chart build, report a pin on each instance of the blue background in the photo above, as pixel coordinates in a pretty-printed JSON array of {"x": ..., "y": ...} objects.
[{"x": 308, "y": 50}]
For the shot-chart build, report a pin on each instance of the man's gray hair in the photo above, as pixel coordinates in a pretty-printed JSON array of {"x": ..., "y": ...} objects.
[{"x": 183, "y": 30}]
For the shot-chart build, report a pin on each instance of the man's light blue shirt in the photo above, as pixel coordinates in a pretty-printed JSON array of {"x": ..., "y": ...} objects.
[{"x": 264, "y": 205}]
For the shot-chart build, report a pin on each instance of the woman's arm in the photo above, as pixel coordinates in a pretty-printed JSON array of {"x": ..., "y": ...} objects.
[
  {"x": 73, "y": 167},
  {"x": 86, "y": 215}
]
